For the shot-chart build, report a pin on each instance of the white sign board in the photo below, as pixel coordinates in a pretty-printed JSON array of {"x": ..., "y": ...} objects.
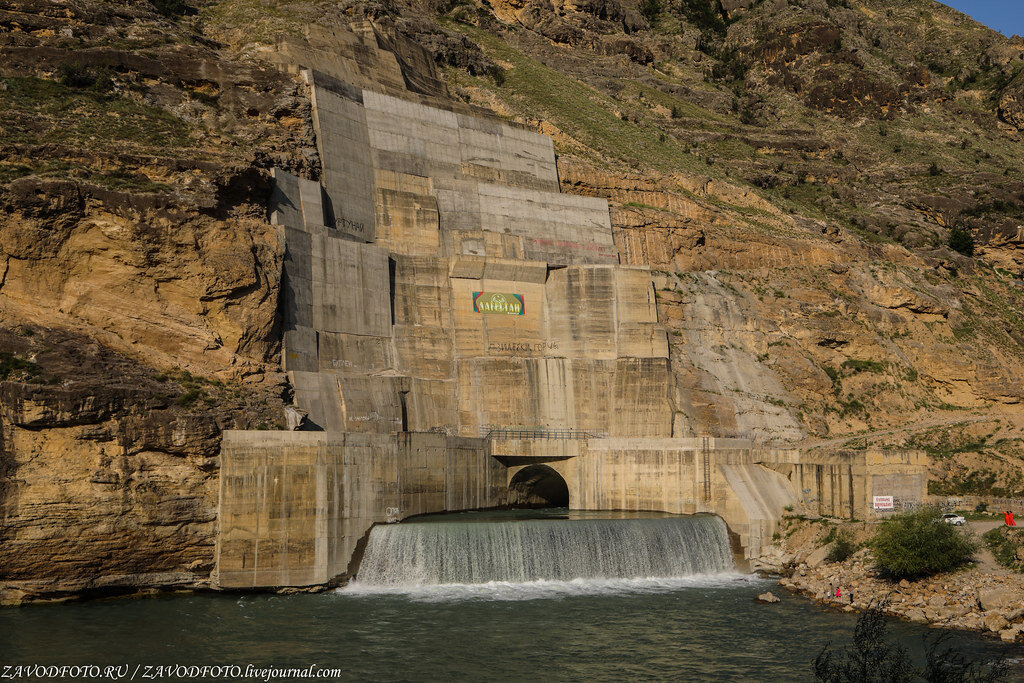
[{"x": 883, "y": 503}]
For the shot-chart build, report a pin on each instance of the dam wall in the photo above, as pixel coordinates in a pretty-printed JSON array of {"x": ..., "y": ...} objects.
[
  {"x": 437, "y": 280},
  {"x": 450, "y": 320},
  {"x": 296, "y": 506}
]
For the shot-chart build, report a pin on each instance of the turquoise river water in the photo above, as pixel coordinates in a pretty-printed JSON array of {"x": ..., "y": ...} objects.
[{"x": 671, "y": 621}]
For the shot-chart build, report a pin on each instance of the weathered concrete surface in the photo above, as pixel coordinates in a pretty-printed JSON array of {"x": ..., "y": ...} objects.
[
  {"x": 749, "y": 487},
  {"x": 455, "y": 205},
  {"x": 432, "y": 181},
  {"x": 294, "y": 506}
]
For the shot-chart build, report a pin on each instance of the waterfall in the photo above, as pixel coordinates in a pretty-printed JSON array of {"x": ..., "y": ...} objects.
[{"x": 437, "y": 553}]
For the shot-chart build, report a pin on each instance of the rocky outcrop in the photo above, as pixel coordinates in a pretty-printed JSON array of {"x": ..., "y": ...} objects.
[
  {"x": 152, "y": 275},
  {"x": 1011, "y": 103},
  {"x": 977, "y": 600},
  {"x": 109, "y": 469}
]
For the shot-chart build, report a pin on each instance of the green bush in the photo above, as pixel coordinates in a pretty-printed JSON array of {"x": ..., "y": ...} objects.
[
  {"x": 81, "y": 77},
  {"x": 651, "y": 9},
  {"x": 961, "y": 240},
  {"x": 705, "y": 16},
  {"x": 855, "y": 365},
  {"x": 172, "y": 9},
  {"x": 189, "y": 397},
  {"x": 13, "y": 367},
  {"x": 842, "y": 547},
  {"x": 918, "y": 544}
]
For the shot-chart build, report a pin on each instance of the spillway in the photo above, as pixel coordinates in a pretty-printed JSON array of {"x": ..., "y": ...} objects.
[{"x": 442, "y": 552}]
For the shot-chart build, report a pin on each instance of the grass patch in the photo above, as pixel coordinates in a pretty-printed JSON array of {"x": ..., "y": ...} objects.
[
  {"x": 196, "y": 388},
  {"x": 117, "y": 179},
  {"x": 582, "y": 112},
  {"x": 946, "y": 442},
  {"x": 1005, "y": 542},
  {"x": 264, "y": 22},
  {"x": 38, "y": 111}
]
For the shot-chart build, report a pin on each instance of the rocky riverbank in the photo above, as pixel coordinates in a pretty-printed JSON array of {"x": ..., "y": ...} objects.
[{"x": 981, "y": 597}]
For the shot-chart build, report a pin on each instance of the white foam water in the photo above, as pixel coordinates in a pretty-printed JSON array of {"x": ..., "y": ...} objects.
[
  {"x": 531, "y": 559},
  {"x": 506, "y": 591}
]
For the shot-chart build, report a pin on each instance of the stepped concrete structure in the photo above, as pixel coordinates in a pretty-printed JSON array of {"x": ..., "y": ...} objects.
[{"x": 459, "y": 335}]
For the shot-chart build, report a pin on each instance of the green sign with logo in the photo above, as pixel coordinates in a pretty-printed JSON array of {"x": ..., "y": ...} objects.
[{"x": 499, "y": 303}]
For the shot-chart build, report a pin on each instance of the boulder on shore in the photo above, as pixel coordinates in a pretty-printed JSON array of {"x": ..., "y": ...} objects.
[
  {"x": 997, "y": 598},
  {"x": 817, "y": 557},
  {"x": 767, "y": 598}
]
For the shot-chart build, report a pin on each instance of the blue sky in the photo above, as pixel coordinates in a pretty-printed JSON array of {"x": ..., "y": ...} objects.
[{"x": 1006, "y": 16}]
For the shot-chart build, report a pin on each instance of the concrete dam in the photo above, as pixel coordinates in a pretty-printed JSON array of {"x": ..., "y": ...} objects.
[{"x": 460, "y": 335}]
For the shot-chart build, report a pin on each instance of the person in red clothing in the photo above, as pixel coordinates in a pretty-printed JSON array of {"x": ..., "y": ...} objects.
[{"x": 1009, "y": 518}]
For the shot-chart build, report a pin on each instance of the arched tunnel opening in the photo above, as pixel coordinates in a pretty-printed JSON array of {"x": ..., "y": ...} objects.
[{"x": 538, "y": 486}]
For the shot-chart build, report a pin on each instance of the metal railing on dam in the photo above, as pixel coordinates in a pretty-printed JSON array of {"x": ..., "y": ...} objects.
[{"x": 537, "y": 433}]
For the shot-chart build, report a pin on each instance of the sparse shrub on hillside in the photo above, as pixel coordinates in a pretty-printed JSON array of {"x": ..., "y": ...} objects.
[
  {"x": 76, "y": 76},
  {"x": 917, "y": 544},
  {"x": 15, "y": 368},
  {"x": 961, "y": 240},
  {"x": 855, "y": 365},
  {"x": 651, "y": 9},
  {"x": 189, "y": 398},
  {"x": 730, "y": 67},
  {"x": 497, "y": 74},
  {"x": 172, "y": 9},
  {"x": 842, "y": 547},
  {"x": 704, "y": 15}
]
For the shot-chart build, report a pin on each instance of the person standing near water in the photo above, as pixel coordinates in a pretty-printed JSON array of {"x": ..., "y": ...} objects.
[{"x": 1008, "y": 516}]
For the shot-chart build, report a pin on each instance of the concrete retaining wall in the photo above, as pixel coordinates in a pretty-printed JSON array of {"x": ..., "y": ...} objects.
[
  {"x": 294, "y": 506},
  {"x": 751, "y": 488}
]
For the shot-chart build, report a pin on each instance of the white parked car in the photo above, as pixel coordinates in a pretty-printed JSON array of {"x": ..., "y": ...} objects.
[{"x": 955, "y": 520}]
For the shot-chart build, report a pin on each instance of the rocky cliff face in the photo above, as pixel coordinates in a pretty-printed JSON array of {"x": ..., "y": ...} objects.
[
  {"x": 135, "y": 252},
  {"x": 108, "y": 468},
  {"x": 792, "y": 169}
]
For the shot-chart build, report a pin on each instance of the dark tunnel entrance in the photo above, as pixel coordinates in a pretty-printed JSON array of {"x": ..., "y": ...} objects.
[{"x": 538, "y": 486}]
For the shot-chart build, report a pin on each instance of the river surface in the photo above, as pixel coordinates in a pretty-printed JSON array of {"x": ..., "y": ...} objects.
[{"x": 691, "y": 627}]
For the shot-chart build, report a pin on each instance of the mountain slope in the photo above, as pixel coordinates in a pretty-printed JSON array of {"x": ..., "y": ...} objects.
[{"x": 792, "y": 170}]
